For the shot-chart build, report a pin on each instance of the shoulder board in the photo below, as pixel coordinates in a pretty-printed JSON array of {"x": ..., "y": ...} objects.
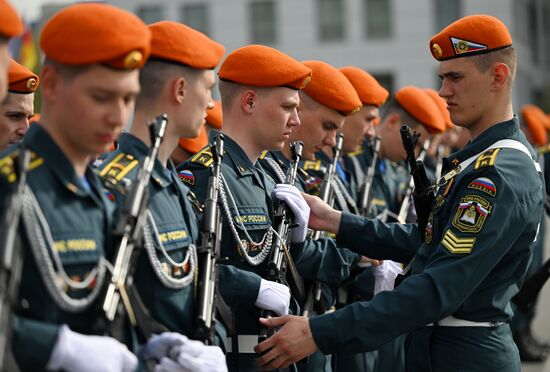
[
  {"x": 312, "y": 165},
  {"x": 116, "y": 169},
  {"x": 263, "y": 154},
  {"x": 487, "y": 159},
  {"x": 544, "y": 149},
  {"x": 355, "y": 153},
  {"x": 7, "y": 165},
  {"x": 203, "y": 157}
]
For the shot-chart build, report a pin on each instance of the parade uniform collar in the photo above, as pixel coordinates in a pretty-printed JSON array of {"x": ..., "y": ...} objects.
[
  {"x": 503, "y": 130},
  {"x": 40, "y": 141},
  {"x": 130, "y": 144},
  {"x": 238, "y": 157}
]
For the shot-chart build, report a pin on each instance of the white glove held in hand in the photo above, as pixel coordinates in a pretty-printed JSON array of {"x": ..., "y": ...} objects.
[
  {"x": 158, "y": 346},
  {"x": 273, "y": 296},
  {"x": 77, "y": 352},
  {"x": 193, "y": 356},
  {"x": 384, "y": 275},
  {"x": 293, "y": 198}
]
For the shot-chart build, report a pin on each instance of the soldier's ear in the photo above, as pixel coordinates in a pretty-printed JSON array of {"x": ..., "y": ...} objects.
[
  {"x": 248, "y": 101},
  {"x": 393, "y": 119},
  {"x": 177, "y": 89},
  {"x": 501, "y": 74},
  {"x": 50, "y": 82}
]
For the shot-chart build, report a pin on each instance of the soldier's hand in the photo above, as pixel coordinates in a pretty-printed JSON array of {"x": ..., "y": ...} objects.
[
  {"x": 77, "y": 352},
  {"x": 290, "y": 344},
  {"x": 367, "y": 262},
  {"x": 293, "y": 198},
  {"x": 273, "y": 296},
  {"x": 322, "y": 216}
]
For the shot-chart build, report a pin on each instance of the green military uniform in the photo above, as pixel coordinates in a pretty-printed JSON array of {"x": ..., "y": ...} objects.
[
  {"x": 475, "y": 255},
  {"x": 166, "y": 271},
  {"x": 246, "y": 195},
  {"x": 78, "y": 218}
]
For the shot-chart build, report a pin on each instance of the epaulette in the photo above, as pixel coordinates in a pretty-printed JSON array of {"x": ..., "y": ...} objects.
[
  {"x": 312, "y": 165},
  {"x": 355, "y": 153},
  {"x": 487, "y": 159},
  {"x": 203, "y": 157},
  {"x": 263, "y": 154},
  {"x": 544, "y": 149},
  {"x": 115, "y": 170},
  {"x": 7, "y": 165}
]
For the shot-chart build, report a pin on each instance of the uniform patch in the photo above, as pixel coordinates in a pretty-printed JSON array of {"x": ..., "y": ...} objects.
[
  {"x": 312, "y": 165},
  {"x": 109, "y": 195},
  {"x": 187, "y": 176},
  {"x": 484, "y": 184},
  {"x": 461, "y": 46},
  {"x": 118, "y": 168},
  {"x": 428, "y": 233},
  {"x": 487, "y": 159},
  {"x": 75, "y": 245},
  {"x": 203, "y": 157},
  {"x": 457, "y": 245},
  {"x": 251, "y": 219},
  {"x": 7, "y": 165},
  {"x": 471, "y": 214},
  {"x": 313, "y": 185}
]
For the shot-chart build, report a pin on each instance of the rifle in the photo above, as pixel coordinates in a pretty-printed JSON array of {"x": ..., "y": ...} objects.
[
  {"x": 529, "y": 292},
  {"x": 439, "y": 162},
  {"x": 11, "y": 258},
  {"x": 366, "y": 189},
  {"x": 128, "y": 234},
  {"x": 280, "y": 260},
  {"x": 209, "y": 251},
  {"x": 419, "y": 185},
  {"x": 314, "y": 294}
]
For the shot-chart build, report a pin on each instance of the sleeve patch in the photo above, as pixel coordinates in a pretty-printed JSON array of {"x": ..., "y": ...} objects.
[
  {"x": 483, "y": 184},
  {"x": 471, "y": 214},
  {"x": 457, "y": 245},
  {"x": 187, "y": 177},
  {"x": 487, "y": 159}
]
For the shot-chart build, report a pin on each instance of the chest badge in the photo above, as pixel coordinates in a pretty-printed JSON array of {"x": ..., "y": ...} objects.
[{"x": 428, "y": 233}]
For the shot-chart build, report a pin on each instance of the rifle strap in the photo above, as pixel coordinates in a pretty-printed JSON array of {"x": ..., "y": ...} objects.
[{"x": 225, "y": 314}]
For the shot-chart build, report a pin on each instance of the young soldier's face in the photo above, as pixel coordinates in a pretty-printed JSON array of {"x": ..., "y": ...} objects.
[
  {"x": 466, "y": 90},
  {"x": 319, "y": 127},
  {"x": 359, "y": 127},
  {"x": 197, "y": 99},
  {"x": 276, "y": 117},
  {"x": 4, "y": 65},
  {"x": 15, "y": 113},
  {"x": 91, "y": 108}
]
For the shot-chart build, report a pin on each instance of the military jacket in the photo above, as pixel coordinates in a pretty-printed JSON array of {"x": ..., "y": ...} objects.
[
  {"x": 473, "y": 260},
  {"x": 79, "y": 219},
  {"x": 177, "y": 229}
]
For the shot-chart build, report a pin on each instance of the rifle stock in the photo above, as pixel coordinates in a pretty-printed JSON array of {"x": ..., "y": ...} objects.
[{"x": 209, "y": 251}]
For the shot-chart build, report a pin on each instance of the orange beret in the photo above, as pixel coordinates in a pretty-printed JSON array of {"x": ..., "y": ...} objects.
[
  {"x": 10, "y": 23},
  {"x": 89, "y": 33},
  {"x": 368, "y": 88},
  {"x": 182, "y": 44},
  {"x": 534, "y": 119},
  {"x": 214, "y": 116},
  {"x": 193, "y": 145},
  {"x": 421, "y": 107},
  {"x": 547, "y": 122},
  {"x": 441, "y": 105},
  {"x": 331, "y": 88},
  {"x": 21, "y": 79},
  {"x": 262, "y": 66},
  {"x": 471, "y": 35}
]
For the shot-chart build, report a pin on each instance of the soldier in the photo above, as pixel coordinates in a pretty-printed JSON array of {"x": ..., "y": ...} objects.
[
  {"x": 18, "y": 107},
  {"x": 259, "y": 112},
  {"x": 88, "y": 94},
  {"x": 10, "y": 26},
  {"x": 176, "y": 80},
  {"x": 477, "y": 246}
]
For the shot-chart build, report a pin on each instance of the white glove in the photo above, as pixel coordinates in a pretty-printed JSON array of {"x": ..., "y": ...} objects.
[
  {"x": 384, "y": 275},
  {"x": 193, "y": 356},
  {"x": 77, "y": 352},
  {"x": 158, "y": 346},
  {"x": 293, "y": 198},
  {"x": 273, "y": 296}
]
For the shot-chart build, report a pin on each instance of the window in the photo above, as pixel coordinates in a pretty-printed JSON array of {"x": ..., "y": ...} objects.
[
  {"x": 379, "y": 19},
  {"x": 262, "y": 22},
  {"x": 446, "y": 12},
  {"x": 331, "y": 20},
  {"x": 150, "y": 13},
  {"x": 196, "y": 16}
]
